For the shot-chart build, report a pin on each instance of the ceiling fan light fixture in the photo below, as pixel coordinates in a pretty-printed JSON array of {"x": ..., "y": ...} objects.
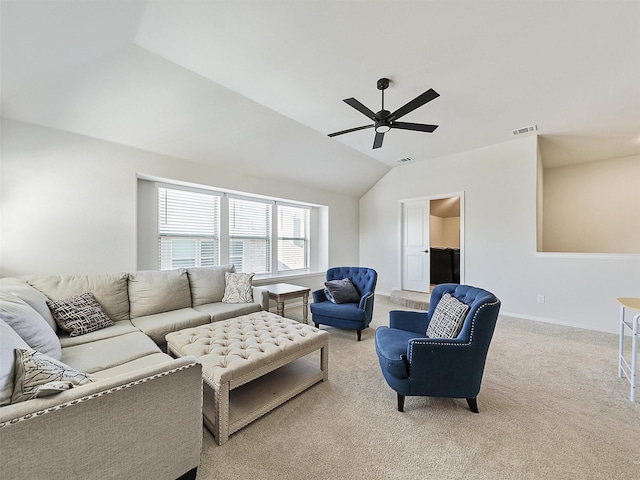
[{"x": 383, "y": 128}]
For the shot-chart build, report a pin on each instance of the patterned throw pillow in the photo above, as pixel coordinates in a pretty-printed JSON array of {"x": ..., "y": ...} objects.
[
  {"x": 238, "y": 288},
  {"x": 38, "y": 375},
  {"x": 341, "y": 291},
  {"x": 79, "y": 314},
  {"x": 447, "y": 318}
]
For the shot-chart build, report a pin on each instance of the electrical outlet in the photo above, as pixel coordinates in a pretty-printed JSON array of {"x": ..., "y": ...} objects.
[{"x": 540, "y": 298}]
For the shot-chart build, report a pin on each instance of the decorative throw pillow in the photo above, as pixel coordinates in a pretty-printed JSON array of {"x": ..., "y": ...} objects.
[
  {"x": 447, "y": 318},
  {"x": 79, "y": 314},
  {"x": 38, "y": 375},
  {"x": 238, "y": 288},
  {"x": 342, "y": 291},
  {"x": 30, "y": 325}
]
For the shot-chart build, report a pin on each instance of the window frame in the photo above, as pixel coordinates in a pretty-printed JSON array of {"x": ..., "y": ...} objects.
[{"x": 224, "y": 237}]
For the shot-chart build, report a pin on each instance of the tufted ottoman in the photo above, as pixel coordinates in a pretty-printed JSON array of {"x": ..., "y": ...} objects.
[{"x": 250, "y": 365}]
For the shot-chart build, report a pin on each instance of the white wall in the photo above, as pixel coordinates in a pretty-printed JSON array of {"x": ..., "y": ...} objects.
[
  {"x": 593, "y": 207},
  {"x": 500, "y": 185},
  {"x": 68, "y": 202}
]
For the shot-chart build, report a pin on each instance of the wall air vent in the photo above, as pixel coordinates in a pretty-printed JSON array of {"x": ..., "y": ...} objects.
[
  {"x": 405, "y": 160},
  {"x": 520, "y": 131}
]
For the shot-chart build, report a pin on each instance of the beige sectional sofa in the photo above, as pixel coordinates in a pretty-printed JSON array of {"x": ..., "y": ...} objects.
[{"x": 141, "y": 416}]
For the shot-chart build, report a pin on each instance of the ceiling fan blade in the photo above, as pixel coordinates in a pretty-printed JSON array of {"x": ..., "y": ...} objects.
[
  {"x": 350, "y": 130},
  {"x": 360, "y": 107},
  {"x": 420, "y": 127},
  {"x": 413, "y": 104},
  {"x": 377, "y": 142}
]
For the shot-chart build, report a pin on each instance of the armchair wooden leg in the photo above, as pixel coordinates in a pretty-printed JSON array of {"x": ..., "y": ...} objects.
[
  {"x": 473, "y": 405},
  {"x": 359, "y": 335},
  {"x": 400, "y": 403},
  {"x": 317, "y": 326}
]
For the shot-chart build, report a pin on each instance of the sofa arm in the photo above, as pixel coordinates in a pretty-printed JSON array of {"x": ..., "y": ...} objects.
[
  {"x": 261, "y": 297},
  {"x": 143, "y": 424}
]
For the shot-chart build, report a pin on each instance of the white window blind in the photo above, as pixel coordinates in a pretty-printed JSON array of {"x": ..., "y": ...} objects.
[
  {"x": 188, "y": 228},
  {"x": 293, "y": 238},
  {"x": 250, "y": 235}
]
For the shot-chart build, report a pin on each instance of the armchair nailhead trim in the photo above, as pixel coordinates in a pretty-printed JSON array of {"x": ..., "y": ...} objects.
[
  {"x": 473, "y": 324},
  {"x": 13, "y": 421}
]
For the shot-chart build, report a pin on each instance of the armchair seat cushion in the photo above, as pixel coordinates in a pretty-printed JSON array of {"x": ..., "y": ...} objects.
[
  {"x": 391, "y": 347},
  {"x": 343, "y": 311}
]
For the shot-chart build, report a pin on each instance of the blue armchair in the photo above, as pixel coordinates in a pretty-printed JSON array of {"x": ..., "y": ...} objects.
[
  {"x": 350, "y": 316},
  {"x": 416, "y": 365}
]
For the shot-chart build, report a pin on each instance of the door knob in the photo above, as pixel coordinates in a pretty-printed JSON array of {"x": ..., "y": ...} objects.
[{"x": 426, "y": 251}]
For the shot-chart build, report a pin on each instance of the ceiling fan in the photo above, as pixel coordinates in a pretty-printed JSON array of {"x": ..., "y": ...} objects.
[{"x": 384, "y": 120}]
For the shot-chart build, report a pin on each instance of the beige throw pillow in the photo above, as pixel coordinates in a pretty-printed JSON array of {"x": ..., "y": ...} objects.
[
  {"x": 38, "y": 375},
  {"x": 238, "y": 288}
]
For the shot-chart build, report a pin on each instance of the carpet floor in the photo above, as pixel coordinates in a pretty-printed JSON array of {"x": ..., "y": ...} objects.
[{"x": 551, "y": 407}]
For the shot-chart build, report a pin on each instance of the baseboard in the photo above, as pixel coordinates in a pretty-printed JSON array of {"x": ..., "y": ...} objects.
[{"x": 555, "y": 322}]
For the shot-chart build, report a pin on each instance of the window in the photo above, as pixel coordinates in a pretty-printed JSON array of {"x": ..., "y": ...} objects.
[
  {"x": 188, "y": 229},
  {"x": 199, "y": 227},
  {"x": 250, "y": 235},
  {"x": 293, "y": 238}
]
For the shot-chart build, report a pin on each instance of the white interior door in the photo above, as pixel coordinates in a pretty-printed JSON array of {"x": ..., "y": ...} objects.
[{"x": 415, "y": 261}]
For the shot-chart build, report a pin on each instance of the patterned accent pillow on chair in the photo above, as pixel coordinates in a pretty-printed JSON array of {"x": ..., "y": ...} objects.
[
  {"x": 238, "y": 288},
  {"x": 447, "y": 318},
  {"x": 79, "y": 314},
  {"x": 38, "y": 375}
]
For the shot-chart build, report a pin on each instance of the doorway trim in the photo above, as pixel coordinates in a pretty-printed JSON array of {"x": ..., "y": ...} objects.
[{"x": 401, "y": 225}]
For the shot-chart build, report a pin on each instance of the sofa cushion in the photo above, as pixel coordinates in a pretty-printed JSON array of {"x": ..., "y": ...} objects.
[
  {"x": 31, "y": 295},
  {"x": 9, "y": 341},
  {"x": 110, "y": 290},
  {"x": 109, "y": 352},
  {"x": 238, "y": 288},
  {"x": 207, "y": 283},
  {"x": 30, "y": 325},
  {"x": 38, "y": 375},
  {"x": 342, "y": 291},
  {"x": 79, "y": 314},
  {"x": 126, "y": 368},
  {"x": 222, "y": 311},
  {"x": 152, "y": 292},
  {"x": 158, "y": 325},
  {"x": 447, "y": 318},
  {"x": 118, "y": 328}
]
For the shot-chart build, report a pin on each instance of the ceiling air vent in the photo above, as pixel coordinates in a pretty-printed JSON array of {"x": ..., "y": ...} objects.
[
  {"x": 405, "y": 160},
  {"x": 520, "y": 131}
]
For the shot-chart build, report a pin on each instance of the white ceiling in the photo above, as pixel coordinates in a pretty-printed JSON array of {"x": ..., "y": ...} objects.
[{"x": 257, "y": 85}]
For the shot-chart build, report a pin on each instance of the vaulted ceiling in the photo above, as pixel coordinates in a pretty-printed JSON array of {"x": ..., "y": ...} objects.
[{"x": 257, "y": 85}]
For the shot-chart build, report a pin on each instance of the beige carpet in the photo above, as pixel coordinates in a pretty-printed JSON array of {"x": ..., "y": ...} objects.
[{"x": 551, "y": 407}]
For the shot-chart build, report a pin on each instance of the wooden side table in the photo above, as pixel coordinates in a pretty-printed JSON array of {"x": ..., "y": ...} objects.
[
  {"x": 624, "y": 368},
  {"x": 283, "y": 291}
]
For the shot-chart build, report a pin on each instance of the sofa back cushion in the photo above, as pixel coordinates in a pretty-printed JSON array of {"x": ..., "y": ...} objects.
[
  {"x": 207, "y": 283},
  {"x": 154, "y": 291},
  {"x": 32, "y": 296},
  {"x": 110, "y": 290},
  {"x": 9, "y": 341},
  {"x": 30, "y": 325}
]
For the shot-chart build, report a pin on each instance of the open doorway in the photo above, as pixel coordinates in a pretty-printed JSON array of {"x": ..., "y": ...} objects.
[
  {"x": 432, "y": 233},
  {"x": 444, "y": 238}
]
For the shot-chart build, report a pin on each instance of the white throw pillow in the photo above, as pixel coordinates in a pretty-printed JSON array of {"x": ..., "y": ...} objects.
[
  {"x": 30, "y": 325},
  {"x": 447, "y": 318},
  {"x": 238, "y": 288},
  {"x": 38, "y": 375},
  {"x": 9, "y": 341}
]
